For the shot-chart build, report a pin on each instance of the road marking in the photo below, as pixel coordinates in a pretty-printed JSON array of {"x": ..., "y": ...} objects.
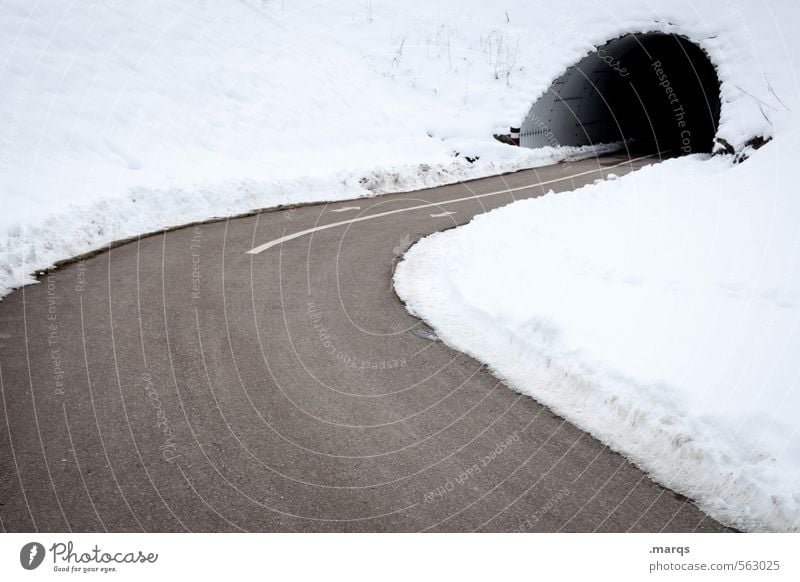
[
  {"x": 346, "y": 208},
  {"x": 442, "y": 214},
  {"x": 288, "y": 237}
]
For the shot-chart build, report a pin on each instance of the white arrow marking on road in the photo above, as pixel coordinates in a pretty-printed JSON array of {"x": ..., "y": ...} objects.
[
  {"x": 346, "y": 208},
  {"x": 442, "y": 214},
  {"x": 288, "y": 237}
]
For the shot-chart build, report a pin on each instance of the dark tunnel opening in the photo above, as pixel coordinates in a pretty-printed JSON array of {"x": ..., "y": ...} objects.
[{"x": 654, "y": 92}]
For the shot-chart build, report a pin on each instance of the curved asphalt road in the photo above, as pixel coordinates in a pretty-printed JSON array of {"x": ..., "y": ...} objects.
[{"x": 179, "y": 383}]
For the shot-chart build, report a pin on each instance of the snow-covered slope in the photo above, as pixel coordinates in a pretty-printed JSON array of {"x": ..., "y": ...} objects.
[
  {"x": 118, "y": 118},
  {"x": 660, "y": 311}
]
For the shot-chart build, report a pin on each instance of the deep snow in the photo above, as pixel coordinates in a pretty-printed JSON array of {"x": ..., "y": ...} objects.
[
  {"x": 659, "y": 311},
  {"x": 118, "y": 118}
]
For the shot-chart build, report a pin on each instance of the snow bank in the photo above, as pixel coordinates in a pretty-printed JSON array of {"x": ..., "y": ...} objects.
[
  {"x": 660, "y": 311},
  {"x": 118, "y": 118}
]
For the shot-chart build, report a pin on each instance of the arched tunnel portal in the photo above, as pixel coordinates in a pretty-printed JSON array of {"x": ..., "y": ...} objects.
[{"x": 654, "y": 92}]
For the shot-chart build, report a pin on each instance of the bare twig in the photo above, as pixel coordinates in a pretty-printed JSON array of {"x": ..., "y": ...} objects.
[
  {"x": 398, "y": 56},
  {"x": 756, "y": 98},
  {"x": 771, "y": 90}
]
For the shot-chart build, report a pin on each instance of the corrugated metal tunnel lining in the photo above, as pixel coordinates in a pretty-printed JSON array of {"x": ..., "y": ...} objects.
[{"x": 655, "y": 92}]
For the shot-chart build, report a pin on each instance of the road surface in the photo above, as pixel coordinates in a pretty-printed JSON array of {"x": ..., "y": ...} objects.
[{"x": 237, "y": 375}]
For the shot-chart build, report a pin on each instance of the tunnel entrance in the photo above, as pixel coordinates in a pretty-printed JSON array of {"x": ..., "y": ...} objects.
[{"x": 654, "y": 92}]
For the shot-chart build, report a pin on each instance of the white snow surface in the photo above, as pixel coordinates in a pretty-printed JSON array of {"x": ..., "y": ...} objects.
[
  {"x": 119, "y": 118},
  {"x": 659, "y": 311}
]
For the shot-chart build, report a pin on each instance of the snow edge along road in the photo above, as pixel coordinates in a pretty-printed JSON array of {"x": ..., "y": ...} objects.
[{"x": 289, "y": 237}]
